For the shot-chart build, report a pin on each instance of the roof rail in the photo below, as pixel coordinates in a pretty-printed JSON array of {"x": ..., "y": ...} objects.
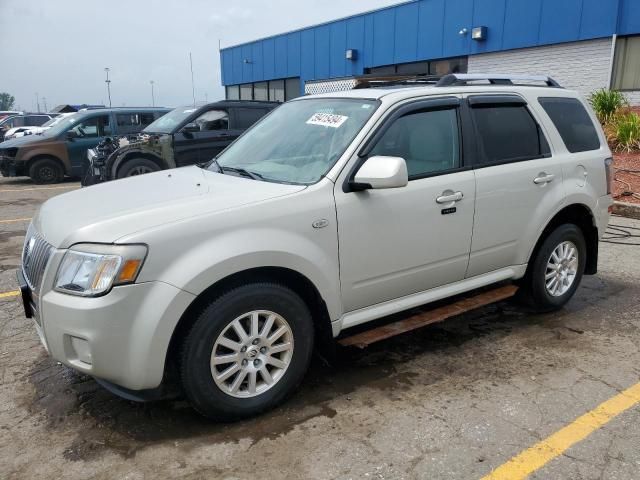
[
  {"x": 494, "y": 79},
  {"x": 388, "y": 80}
]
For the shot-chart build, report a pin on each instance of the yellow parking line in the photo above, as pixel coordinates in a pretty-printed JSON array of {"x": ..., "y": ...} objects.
[
  {"x": 15, "y": 220},
  {"x": 15, "y": 293},
  {"x": 534, "y": 458},
  {"x": 38, "y": 188}
]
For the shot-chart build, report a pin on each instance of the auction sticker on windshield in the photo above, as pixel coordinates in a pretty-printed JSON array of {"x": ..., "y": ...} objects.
[{"x": 327, "y": 119}]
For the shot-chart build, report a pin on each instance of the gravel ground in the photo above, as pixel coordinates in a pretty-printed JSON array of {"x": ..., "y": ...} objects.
[{"x": 450, "y": 401}]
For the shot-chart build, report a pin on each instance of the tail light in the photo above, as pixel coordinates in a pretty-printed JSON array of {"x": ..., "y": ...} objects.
[{"x": 608, "y": 168}]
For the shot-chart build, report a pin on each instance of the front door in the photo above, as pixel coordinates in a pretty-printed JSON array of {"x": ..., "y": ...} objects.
[
  {"x": 87, "y": 133},
  {"x": 395, "y": 242},
  {"x": 203, "y": 138}
]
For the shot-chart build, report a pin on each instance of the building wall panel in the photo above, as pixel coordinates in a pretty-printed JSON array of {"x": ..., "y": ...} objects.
[
  {"x": 458, "y": 15},
  {"x": 489, "y": 13},
  {"x": 383, "y": 36},
  {"x": 405, "y": 41},
  {"x": 356, "y": 41},
  {"x": 521, "y": 23},
  {"x": 337, "y": 65},
  {"x": 430, "y": 29},
  {"x": 293, "y": 54},
  {"x": 560, "y": 21},
  {"x": 269, "y": 58}
]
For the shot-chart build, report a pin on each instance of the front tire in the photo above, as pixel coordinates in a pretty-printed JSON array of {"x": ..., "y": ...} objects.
[
  {"x": 137, "y": 166},
  {"x": 247, "y": 351},
  {"x": 45, "y": 171},
  {"x": 556, "y": 269}
]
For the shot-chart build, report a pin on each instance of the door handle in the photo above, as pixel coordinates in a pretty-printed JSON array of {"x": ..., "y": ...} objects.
[
  {"x": 543, "y": 178},
  {"x": 449, "y": 197}
]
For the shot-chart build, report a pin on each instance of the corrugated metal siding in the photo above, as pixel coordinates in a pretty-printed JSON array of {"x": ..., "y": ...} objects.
[{"x": 425, "y": 30}]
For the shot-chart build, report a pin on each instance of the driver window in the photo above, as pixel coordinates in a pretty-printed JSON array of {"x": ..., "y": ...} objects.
[
  {"x": 93, "y": 127},
  {"x": 427, "y": 140},
  {"x": 213, "y": 120}
]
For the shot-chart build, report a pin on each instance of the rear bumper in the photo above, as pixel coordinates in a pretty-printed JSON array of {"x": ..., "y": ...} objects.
[{"x": 602, "y": 213}]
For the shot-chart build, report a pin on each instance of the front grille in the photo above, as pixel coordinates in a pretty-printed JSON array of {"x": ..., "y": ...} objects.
[{"x": 35, "y": 256}]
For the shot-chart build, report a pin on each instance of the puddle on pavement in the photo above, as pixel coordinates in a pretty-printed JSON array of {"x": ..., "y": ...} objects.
[{"x": 446, "y": 354}]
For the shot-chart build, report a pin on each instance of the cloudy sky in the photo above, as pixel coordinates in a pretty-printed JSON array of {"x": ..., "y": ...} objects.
[{"x": 59, "y": 48}]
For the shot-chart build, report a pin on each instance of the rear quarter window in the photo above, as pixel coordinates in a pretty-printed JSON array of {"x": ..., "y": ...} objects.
[{"x": 572, "y": 122}]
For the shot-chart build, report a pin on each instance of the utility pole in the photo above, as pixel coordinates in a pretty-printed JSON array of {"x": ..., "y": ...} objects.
[
  {"x": 108, "y": 82},
  {"x": 193, "y": 88},
  {"x": 38, "y": 102},
  {"x": 153, "y": 98},
  {"x": 44, "y": 100}
]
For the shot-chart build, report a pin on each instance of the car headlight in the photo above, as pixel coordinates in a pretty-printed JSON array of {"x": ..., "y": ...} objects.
[{"x": 90, "y": 270}]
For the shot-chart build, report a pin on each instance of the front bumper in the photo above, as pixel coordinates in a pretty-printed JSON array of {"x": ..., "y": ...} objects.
[
  {"x": 9, "y": 167},
  {"x": 121, "y": 337}
]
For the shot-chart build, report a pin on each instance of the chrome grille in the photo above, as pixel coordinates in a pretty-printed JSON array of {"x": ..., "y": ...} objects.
[{"x": 35, "y": 256}]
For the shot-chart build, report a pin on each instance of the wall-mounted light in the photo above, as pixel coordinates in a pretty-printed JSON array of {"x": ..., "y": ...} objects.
[
  {"x": 479, "y": 33},
  {"x": 464, "y": 31},
  {"x": 351, "y": 54},
  {"x": 246, "y": 60}
]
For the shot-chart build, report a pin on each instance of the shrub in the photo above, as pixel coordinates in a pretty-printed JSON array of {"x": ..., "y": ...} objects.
[
  {"x": 606, "y": 103},
  {"x": 623, "y": 132}
]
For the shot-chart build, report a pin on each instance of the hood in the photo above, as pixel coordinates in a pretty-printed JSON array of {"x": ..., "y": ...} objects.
[
  {"x": 26, "y": 140},
  {"x": 105, "y": 212}
]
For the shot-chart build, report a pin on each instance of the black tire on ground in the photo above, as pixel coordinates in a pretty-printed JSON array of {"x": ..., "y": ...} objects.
[
  {"x": 46, "y": 171},
  {"x": 534, "y": 291},
  {"x": 137, "y": 166},
  {"x": 196, "y": 369}
]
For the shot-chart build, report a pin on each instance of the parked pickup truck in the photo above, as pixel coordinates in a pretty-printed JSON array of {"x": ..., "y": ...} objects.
[
  {"x": 184, "y": 136},
  {"x": 333, "y": 211},
  {"x": 61, "y": 150}
]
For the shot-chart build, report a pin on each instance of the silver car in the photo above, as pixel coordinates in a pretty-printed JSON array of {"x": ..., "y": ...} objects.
[{"x": 332, "y": 211}]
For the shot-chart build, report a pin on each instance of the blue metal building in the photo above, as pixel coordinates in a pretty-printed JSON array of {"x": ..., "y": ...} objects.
[{"x": 587, "y": 44}]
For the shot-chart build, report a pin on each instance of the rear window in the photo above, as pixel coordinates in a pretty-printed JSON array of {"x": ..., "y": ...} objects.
[
  {"x": 508, "y": 133},
  {"x": 572, "y": 122}
]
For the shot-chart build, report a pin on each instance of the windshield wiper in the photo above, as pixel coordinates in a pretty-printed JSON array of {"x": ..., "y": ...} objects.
[{"x": 241, "y": 171}]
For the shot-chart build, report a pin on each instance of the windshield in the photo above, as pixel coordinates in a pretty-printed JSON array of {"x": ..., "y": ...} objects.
[
  {"x": 299, "y": 141},
  {"x": 168, "y": 122},
  {"x": 64, "y": 124},
  {"x": 55, "y": 120}
]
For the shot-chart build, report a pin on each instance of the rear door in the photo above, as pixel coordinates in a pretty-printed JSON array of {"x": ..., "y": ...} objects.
[{"x": 518, "y": 181}]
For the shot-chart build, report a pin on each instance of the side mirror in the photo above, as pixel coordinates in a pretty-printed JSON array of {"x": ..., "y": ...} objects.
[
  {"x": 71, "y": 134},
  {"x": 381, "y": 172},
  {"x": 190, "y": 128}
]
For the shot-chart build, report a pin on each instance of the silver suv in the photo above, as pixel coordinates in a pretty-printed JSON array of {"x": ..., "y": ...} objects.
[{"x": 332, "y": 211}]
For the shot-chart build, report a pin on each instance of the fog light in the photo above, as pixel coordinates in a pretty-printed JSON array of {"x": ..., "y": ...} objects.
[{"x": 81, "y": 349}]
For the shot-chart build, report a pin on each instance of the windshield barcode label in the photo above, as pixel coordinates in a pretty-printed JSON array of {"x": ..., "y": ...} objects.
[{"x": 327, "y": 120}]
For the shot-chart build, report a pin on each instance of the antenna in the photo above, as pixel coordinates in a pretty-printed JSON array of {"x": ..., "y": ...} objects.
[{"x": 193, "y": 88}]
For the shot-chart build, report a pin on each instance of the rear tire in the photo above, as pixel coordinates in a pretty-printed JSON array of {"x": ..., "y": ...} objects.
[
  {"x": 45, "y": 171},
  {"x": 267, "y": 358},
  {"x": 555, "y": 270},
  {"x": 137, "y": 166}
]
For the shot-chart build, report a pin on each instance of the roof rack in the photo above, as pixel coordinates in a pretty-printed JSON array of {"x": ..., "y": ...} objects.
[
  {"x": 376, "y": 81},
  {"x": 494, "y": 79}
]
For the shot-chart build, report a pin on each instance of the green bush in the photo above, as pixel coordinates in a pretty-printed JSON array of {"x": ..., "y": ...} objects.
[
  {"x": 623, "y": 132},
  {"x": 606, "y": 103}
]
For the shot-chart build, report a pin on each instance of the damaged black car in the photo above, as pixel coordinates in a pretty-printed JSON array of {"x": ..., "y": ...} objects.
[{"x": 184, "y": 136}]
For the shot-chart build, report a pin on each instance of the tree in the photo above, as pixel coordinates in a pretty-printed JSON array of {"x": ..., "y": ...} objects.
[{"x": 6, "y": 101}]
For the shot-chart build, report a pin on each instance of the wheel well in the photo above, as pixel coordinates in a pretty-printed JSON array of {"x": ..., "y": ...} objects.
[
  {"x": 133, "y": 155},
  {"x": 581, "y": 216},
  {"x": 48, "y": 157},
  {"x": 283, "y": 276}
]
